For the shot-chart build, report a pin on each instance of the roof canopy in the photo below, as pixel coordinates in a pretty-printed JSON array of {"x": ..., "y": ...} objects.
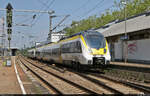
[{"x": 133, "y": 24}]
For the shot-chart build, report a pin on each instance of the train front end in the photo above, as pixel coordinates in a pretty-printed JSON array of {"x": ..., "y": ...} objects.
[{"x": 97, "y": 51}]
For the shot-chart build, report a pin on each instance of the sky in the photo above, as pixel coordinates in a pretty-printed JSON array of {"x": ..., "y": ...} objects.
[{"x": 38, "y": 32}]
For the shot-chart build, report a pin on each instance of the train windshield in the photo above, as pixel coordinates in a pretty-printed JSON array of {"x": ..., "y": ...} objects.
[{"x": 95, "y": 40}]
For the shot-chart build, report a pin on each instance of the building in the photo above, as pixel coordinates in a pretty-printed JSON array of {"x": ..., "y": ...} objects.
[
  {"x": 5, "y": 51},
  {"x": 137, "y": 47},
  {"x": 56, "y": 36}
]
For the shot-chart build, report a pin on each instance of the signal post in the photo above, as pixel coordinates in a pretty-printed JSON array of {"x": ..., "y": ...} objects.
[{"x": 9, "y": 30}]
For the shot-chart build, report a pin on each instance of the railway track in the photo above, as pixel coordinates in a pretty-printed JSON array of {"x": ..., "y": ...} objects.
[
  {"x": 51, "y": 87},
  {"x": 130, "y": 68},
  {"x": 135, "y": 76},
  {"x": 145, "y": 89},
  {"x": 95, "y": 92},
  {"x": 136, "y": 86},
  {"x": 72, "y": 84},
  {"x": 96, "y": 79}
]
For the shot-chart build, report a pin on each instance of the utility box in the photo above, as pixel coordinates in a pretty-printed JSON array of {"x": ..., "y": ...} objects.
[{"x": 8, "y": 62}]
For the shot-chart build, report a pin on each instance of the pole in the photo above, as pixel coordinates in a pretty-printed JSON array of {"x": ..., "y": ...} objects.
[
  {"x": 3, "y": 35},
  {"x": 32, "y": 11},
  {"x": 50, "y": 27},
  {"x": 9, "y": 45},
  {"x": 126, "y": 43}
]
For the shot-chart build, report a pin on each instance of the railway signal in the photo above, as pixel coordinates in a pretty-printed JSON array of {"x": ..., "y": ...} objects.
[
  {"x": 9, "y": 15},
  {"x": 9, "y": 28},
  {"x": 9, "y": 21}
]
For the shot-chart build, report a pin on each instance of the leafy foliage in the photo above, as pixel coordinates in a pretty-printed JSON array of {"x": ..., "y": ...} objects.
[{"x": 133, "y": 7}]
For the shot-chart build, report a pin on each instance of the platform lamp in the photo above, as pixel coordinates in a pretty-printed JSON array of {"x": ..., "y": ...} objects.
[{"x": 126, "y": 36}]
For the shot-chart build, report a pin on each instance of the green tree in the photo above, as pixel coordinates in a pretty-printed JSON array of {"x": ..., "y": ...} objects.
[{"x": 133, "y": 7}]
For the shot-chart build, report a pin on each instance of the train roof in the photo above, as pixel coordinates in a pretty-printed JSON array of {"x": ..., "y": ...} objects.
[
  {"x": 80, "y": 33},
  {"x": 44, "y": 43}
]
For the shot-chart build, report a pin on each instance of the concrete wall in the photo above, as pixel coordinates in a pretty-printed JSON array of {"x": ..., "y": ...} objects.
[
  {"x": 138, "y": 50},
  {"x": 118, "y": 50}
]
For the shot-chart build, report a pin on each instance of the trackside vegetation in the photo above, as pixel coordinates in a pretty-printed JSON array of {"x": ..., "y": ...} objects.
[{"x": 133, "y": 7}]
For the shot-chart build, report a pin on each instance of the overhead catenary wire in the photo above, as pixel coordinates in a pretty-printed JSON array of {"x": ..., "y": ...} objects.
[
  {"x": 83, "y": 5},
  {"x": 47, "y": 7},
  {"x": 26, "y": 20},
  {"x": 89, "y": 11},
  {"x": 32, "y": 24},
  {"x": 43, "y": 3},
  {"x": 77, "y": 9},
  {"x": 60, "y": 22},
  {"x": 93, "y": 8},
  {"x": 100, "y": 12},
  {"x": 103, "y": 11}
]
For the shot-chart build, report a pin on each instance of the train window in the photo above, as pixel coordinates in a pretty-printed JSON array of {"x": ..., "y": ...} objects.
[
  {"x": 65, "y": 45},
  {"x": 78, "y": 46},
  {"x": 95, "y": 40},
  {"x": 72, "y": 44},
  {"x": 68, "y": 45},
  {"x": 64, "y": 48},
  {"x": 78, "y": 43},
  {"x": 37, "y": 52},
  {"x": 50, "y": 52},
  {"x": 73, "y": 47},
  {"x": 58, "y": 51},
  {"x": 55, "y": 52}
]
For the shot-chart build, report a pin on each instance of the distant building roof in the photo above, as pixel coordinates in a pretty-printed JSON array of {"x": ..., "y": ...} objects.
[
  {"x": 59, "y": 32},
  {"x": 135, "y": 23}
]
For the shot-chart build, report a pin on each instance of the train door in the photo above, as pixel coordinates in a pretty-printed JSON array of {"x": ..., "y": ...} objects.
[{"x": 60, "y": 57}]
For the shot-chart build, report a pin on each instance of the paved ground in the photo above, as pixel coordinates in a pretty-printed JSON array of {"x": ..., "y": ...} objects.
[{"x": 8, "y": 80}]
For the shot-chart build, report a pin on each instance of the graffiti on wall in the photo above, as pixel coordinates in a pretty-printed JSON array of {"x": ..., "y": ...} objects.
[{"x": 132, "y": 48}]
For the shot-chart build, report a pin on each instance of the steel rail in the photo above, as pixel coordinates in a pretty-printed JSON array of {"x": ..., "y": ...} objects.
[
  {"x": 45, "y": 82},
  {"x": 143, "y": 88},
  {"x": 139, "y": 87},
  {"x": 67, "y": 81},
  {"x": 101, "y": 84}
]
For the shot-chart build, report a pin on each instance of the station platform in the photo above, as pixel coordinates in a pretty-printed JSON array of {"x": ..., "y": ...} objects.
[
  {"x": 131, "y": 66},
  {"x": 8, "y": 80},
  {"x": 13, "y": 80}
]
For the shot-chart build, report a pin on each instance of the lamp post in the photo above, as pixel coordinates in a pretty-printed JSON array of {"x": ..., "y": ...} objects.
[
  {"x": 50, "y": 24},
  {"x": 126, "y": 36}
]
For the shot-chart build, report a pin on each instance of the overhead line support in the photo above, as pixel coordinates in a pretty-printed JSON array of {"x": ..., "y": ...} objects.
[{"x": 33, "y": 11}]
